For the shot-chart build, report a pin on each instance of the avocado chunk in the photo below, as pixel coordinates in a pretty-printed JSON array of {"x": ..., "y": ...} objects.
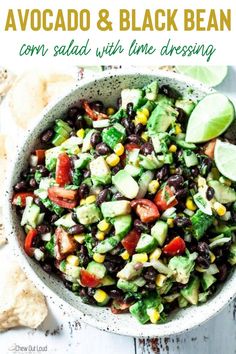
[
  {"x": 129, "y": 272},
  {"x": 100, "y": 171},
  {"x": 97, "y": 269},
  {"x": 200, "y": 223},
  {"x": 232, "y": 254},
  {"x": 186, "y": 105},
  {"x": 223, "y": 194},
  {"x": 122, "y": 224},
  {"x": 88, "y": 214},
  {"x": 65, "y": 220},
  {"x": 191, "y": 291},
  {"x": 115, "y": 208},
  {"x": 134, "y": 96},
  {"x": 125, "y": 184},
  {"x": 190, "y": 158},
  {"x": 160, "y": 119},
  {"x": 151, "y": 91},
  {"x": 159, "y": 232},
  {"x": 146, "y": 243},
  {"x": 31, "y": 213},
  {"x": 207, "y": 280},
  {"x": 127, "y": 286},
  {"x": 182, "y": 266}
]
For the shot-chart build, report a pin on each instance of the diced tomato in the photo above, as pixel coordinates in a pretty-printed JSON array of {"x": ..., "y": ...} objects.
[
  {"x": 146, "y": 209},
  {"x": 40, "y": 155},
  {"x": 63, "y": 170},
  {"x": 60, "y": 192},
  {"x": 68, "y": 204},
  {"x": 175, "y": 247},
  {"x": 165, "y": 198},
  {"x": 130, "y": 241},
  {"x": 89, "y": 280},
  {"x": 119, "y": 307},
  {"x": 20, "y": 198},
  {"x": 64, "y": 243},
  {"x": 131, "y": 146},
  {"x": 209, "y": 148},
  {"x": 92, "y": 113},
  {"x": 29, "y": 242}
]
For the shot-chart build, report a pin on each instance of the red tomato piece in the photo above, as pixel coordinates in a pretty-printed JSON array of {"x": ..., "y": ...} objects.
[
  {"x": 175, "y": 247},
  {"x": 119, "y": 307},
  {"x": 29, "y": 242},
  {"x": 165, "y": 198},
  {"x": 131, "y": 146},
  {"x": 209, "y": 148},
  {"x": 63, "y": 170},
  {"x": 89, "y": 280},
  {"x": 130, "y": 241},
  {"x": 60, "y": 192},
  {"x": 68, "y": 204},
  {"x": 146, "y": 209},
  {"x": 92, "y": 113},
  {"x": 64, "y": 243},
  {"x": 40, "y": 155},
  {"x": 20, "y": 198}
]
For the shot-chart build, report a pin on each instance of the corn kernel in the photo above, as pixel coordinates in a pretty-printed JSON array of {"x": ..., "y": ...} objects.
[
  {"x": 125, "y": 255},
  {"x": 103, "y": 225},
  {"x": 90, "y": 199},
  {"x": 212, "y": 257},
  {"x": 73, "y": 260},
  {"x": 100, "y": 235},
  {"x": 153, "y": 186},
  {"x": 200, "y": 269},
  {"x": 119, "y": 149},
  {"x": 99, "y": 258},
  {"x": 112, "y": 160},
  {"x": 80, "y": 133},
  {"x": 220, "y": 208},
  {"x": 110, "y": 111},
  {"x": 100, "y": 295},
  {"x": 173, "y": 148},
  {"x": 160, "y": 279},
  {"x": 178, "y": 129},
  {"x": 140, "y": 257},
  {"x": 82, "y": 201},
  {"x": 144, "y": 136},
  {"x": 190, "y": 204},
  {"x": 170, "y": 222},
  {"x": 79, "y": 238},
  {"x": 172, "y": 170},
  {"x": 155, "y": 255},
  {"x": 154, "y": 315},
  {"x": 140, "y": 118},
  {"x": 145, "y": 111},
  {"x": 76, "y": 151}
]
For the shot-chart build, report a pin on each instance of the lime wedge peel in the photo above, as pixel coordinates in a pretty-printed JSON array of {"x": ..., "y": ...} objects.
[
  {"x": 209, "y": 75},
  {"x": 225, "y": 159},
  {"x": 210, "y": 118}
]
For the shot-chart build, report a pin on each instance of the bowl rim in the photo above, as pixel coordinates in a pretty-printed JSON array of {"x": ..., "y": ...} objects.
[{"x": 157, "y": 331}]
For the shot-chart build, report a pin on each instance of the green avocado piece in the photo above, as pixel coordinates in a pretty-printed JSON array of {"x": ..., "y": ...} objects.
[{"x": 88, "y": 214}]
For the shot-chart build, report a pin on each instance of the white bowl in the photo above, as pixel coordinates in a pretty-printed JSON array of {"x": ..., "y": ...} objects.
[{"x": 106, "y": 87}]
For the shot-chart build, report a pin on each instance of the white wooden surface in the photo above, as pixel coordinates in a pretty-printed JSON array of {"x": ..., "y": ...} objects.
[{"x": 61, "y": 334}]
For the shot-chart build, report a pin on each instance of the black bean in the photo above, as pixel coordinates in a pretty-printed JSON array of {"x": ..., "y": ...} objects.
[
  {"x": 150, "y": 274},
  {"x": 113, "y": 259},
  {"x": 192, "y": 185},
  {"x": 150, "y": 286},
  {"x": 141, "y": 227},
  {"x": 176, "y": 181},
  {"x": 73, "y": 112},
  {"x": 182, "y": 221},
  {"x": 117, "y": 168},
  {"x": 20, "y": 186},
  {"x": 33, "y": 183},
  {"x": 139, "y": 128},
  {"x": 117, "y": 250},
  {"x": 194, "y": 171},
  {"x": 129, "y": 125},
  {"x": 68, "y": 284},
  {"x": 91, "y": 291},
  {"x": 47, "y": 267},
  {"x": 162, "y": 174},
  {"x": 119, "y": 196},
  {"x": 83, "y": 292},
  {"x": 33, "y": 169},
  {"x": 86, "y": 174},
  {"x": 129, "y": 299},
  {"x": 205, "y": 166},
  {"x": 103, "y": 196},
  {"x": 130, "y": 110},
  {"x": 95, "y": 139},
  {"x": 79, "y": 122},
  {"x": 47, "y": 135},
  {"x": 146, "y": 149},
  {"x": 182, "y": 116},
  {"x": 181, "y": 194},
  {"x": 223, "y": 271},
  {"x": 178, "y": 171},
  {"x": 76, "y": 229},
  {"x": 116, "y": 294},
  {"x": 74, "y": 217},
  {"x": 73, "y": 132},
  {"x": 42, "y": 169},
  {"x": 170, "y": 92},
  {"x": 233, "y": 216},
  {"x": 83, "y": 191},
  {"x": 112, "y": 267},
  {"x": 25, "y": 174},
  {"x": 102, "y": 149},
  {"x": 43, "y": 229},
  {"x": 97, "y": 106},
  {"x": 203, "y": 248},
  {"x": 210, "y": 193},
  {"x": 179, "y": 155},
  {"x": 133, "y": 138},
  {"x": 38, "y": 202},
  {"x": 203, "y": 262},
  {"x": 53, "y": 218}
]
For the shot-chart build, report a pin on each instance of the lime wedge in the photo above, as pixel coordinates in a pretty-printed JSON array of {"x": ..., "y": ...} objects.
[
  {"x": 225, "y": 159},
  {"x": 210, "y": 118},
  {"x": 209, "y": 75}
]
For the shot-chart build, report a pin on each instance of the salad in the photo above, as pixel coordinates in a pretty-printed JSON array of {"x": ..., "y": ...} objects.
[{"x": 134, "y": 206}]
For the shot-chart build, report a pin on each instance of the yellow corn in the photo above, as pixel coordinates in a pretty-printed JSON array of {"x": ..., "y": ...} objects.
[
  {"x": 172, "y": 170},
  {"x": 90, "y": 199},
  {"x": 160, "y": 279},
  {"x": 125, "y": 255},
  {"x": 82, "y": 201},
  {"x": 140, "y": 118},
  {"x": 73, "y": 260},
  {"x": 200, "y": 269},
  {"x": 170, "y": 222},
  {"x": 103, "y": 225},
  {"x": 220, "y": 208},
  {"x": 99, "y": 258},
  {"x": 140, "y": 257},
  {"x": 112, "y": 160},
  {"x": 100, "y": 235},
  {"x": 154, "y": 315},
  {"x": 119, "y": 149},
  {"x": 79, "y": 238},
  {"x": 155, "y": 255},
  {"x": 110, "y": 111},
  {"x": 153, "y": 186},
  {"x": 173, "y": 148},
  {"x": 100, "y": 295},
  {"x": 145, "y": 111},
  {"x": 178, "y": 129},
  {"x": 144, "y": 136},
  {"x": 190, "y": 204},
  {"x": 212, "y": 257},
  {"x": 80, "y": 133},
  {"x": 76, "y": 151}
]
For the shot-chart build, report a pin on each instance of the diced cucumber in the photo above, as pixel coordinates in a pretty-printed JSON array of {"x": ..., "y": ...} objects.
[
  {"x": 150, "y": 162},
  {"x": 146, "y": 243},
  {"x": 30, "y": 214},
  {"x": 115, "y": 208},
  {"x": 190, "y": 158},
  {"x": 125, "y": 184},
  {"x": 61, "y": 123},
  {"x": 143, "y": 183},
  {"x": 191, "y": 291},
  {"x": 61, "y": 132},
  {"x": 183, "y": 144},
  {"x": 223, "y": 194},
  {"x": 134, "y": 96},
  {"x": 66, "y": 221},
  {"x": 72, "y": 271},
  {"x": 207, "y": 281},
  {"x": 120, "y": 128},
  {"x": 159, "y": 232},
  {"x": 88, "y": 214},
  {"x": 127, "y": 286},
  {"x": 203, "y": 204},
  {"x": 133, "y": 157},
  {"x": 112, "y": 137},
  {"x": 102, "y": 123},
  {"x": 107, "y": 281},
  {"x": 139, "y": 311},
  {"x": 168, "y": 158},
  {"x": 107, "y": 245},
  {"x": 59, "y": 139},
  {"x": 83, "y": 161},
  {"x": 122, "y": 224},
  {"x": 97, "y": 269},
  {"x": 133, "y": 170}
]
